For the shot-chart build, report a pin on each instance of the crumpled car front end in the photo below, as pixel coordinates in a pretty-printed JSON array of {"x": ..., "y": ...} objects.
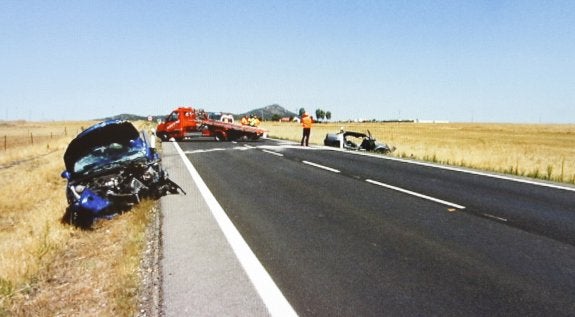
[{"x": 110, "y": 167}]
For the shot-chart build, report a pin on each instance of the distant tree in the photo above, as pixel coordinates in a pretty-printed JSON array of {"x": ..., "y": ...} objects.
[
  {"x": 328, "y": 115},
  {"x": 301, "y": 111},
  {"x": 320, "y": 114},
  {"x": 276, "y": 117}
]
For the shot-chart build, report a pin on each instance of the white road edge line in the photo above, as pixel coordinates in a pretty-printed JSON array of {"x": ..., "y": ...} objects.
[
  {"x": 415, "y": 194},
  {"x": 268, "y": 291},
  {"x": 321, "y": 166},
  {"x": 273, "y": 153}
]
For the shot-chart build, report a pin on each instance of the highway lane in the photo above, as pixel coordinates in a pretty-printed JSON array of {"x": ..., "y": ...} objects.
[
  {"x": 339, "y": 245},
  {"x": 540, "y": 209}
]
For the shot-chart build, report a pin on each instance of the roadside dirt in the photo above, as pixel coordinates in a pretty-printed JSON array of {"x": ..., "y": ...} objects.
[{"x": 149, "y": 301}]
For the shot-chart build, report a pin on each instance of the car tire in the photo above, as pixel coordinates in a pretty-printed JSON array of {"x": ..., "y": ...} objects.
[
  {"x": 163, "y": 137},
  {"x": 220, "y": 137},
  {"x": 81, "y": 218}
]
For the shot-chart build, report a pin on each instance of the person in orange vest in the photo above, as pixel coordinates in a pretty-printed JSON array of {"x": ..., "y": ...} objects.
[
  {"x": 252, "y": 121},
  {"x": 244, "y": 120},
  {"x": 306, "y": 122}
]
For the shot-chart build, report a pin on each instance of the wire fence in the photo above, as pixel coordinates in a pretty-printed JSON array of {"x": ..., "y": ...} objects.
[{"x": 27, "y": 138}]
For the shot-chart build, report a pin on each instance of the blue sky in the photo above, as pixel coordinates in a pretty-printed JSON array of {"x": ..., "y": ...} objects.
[{"x": 462, "y": 61}]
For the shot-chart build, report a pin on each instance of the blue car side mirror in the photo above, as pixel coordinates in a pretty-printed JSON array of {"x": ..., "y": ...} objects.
[{"x": 66, "y": 175}]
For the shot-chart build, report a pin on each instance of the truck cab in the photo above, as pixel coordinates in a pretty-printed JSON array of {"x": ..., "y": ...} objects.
[{"x": 181, "y": 123}]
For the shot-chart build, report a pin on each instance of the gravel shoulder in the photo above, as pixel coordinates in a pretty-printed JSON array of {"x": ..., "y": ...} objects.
[{"x": 149, "y": 301}]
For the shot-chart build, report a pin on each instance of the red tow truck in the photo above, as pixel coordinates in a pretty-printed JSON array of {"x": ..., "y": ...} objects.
[{"x": 187, "y": 122}]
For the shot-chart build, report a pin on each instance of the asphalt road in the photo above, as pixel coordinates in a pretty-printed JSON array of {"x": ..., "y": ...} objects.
[{"x": 354, "y": 235}]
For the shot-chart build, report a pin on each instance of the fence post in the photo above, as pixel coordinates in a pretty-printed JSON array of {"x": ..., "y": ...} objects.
[{"x": 5, "y": 142}]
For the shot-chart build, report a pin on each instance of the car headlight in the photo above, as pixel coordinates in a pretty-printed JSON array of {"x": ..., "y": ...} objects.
[{"x": 79, "y": 188}]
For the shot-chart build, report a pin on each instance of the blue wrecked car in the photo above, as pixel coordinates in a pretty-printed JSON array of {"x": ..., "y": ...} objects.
[{"x": 109, "y": 168}]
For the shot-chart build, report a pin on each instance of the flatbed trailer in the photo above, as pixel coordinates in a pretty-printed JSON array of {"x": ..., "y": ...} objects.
[{"x": 224, "y": 131}]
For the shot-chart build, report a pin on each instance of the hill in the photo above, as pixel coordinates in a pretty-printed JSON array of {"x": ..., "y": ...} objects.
[
  {"x": 125, "y": 116},
  {"x": 269, "y": 112}
]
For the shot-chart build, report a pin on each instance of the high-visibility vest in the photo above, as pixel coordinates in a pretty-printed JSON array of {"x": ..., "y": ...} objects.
[{"x": 306, "y": 122}]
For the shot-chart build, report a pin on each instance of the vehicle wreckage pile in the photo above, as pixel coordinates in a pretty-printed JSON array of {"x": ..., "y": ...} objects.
[
  {"x": 110, "y": 167},
  {"x": 357, "y": 141}
]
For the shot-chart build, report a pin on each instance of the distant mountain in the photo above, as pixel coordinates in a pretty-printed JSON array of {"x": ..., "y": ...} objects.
[
  {"x": 269, "y": 112},
  {"x": 125, "y": 116}
]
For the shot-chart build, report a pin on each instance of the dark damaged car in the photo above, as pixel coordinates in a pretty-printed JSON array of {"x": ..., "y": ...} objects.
[{"x": 110, "y": 167}]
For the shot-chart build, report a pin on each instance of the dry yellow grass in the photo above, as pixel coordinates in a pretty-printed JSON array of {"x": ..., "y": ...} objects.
[
  {"x": 50, "y": 269},
  {"x": 538, "y": 151},
  {"x": 95, "y": 274}
]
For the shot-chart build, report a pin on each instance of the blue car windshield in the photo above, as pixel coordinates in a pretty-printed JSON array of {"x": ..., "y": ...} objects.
[{"x": 112, "y": 154}]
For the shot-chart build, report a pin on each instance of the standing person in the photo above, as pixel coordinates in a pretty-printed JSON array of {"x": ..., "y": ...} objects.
[{"x": 306, "y": 122}]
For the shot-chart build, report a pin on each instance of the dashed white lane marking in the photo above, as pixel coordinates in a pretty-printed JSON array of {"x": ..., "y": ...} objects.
[
  {"x": 495, "y": 217},
  {"x": 409, "y": 192},
  {"x": 245, "y": 147},
  {"x": 272, "y": 152},
  {"x": 321, "y": 166},
  {"x": 268, "y": 291},
  {"x": 204, "y": 151}
]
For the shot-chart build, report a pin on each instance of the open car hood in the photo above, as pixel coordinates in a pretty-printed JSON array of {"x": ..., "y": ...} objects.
[{"x": 103, "y": 133}]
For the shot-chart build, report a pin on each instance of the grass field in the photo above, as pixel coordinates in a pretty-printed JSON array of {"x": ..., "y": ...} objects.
[
  {"x": 50, "y": 269},
  {"x": 537, "y": 151}
]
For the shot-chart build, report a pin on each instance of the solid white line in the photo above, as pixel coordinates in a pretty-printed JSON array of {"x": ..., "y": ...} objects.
[
  {"x": 321, "y": 166},
  {"x": 273, "y": 153},
  {"x": 271, "y": 295},
  {"x": 415, "y": 194}
]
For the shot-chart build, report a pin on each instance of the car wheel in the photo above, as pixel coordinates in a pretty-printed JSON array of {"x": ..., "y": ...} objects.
[
  {"x": 81, "y": 218},
  {"x": 220, "y": 137},
  {"x": 254, "y": 136},
  {"x": 163, "y": 137}
]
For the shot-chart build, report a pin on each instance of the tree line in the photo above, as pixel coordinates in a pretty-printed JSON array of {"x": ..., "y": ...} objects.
[{"x": 320, "y": 114}]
